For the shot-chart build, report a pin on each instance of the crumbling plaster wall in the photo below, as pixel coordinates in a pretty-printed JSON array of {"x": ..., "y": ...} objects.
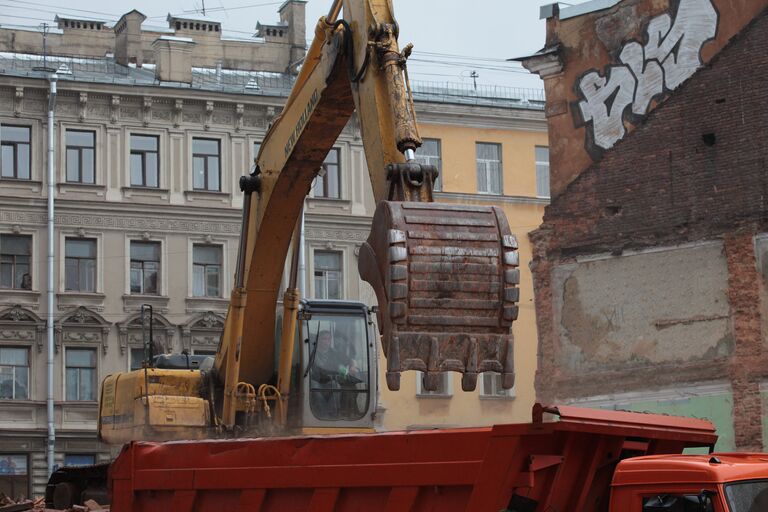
[{"x": 660, "y": 306}]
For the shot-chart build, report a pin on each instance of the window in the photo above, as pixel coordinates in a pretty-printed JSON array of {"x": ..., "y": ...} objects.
[
  {"x": 81, "y": 156},
  {"x": 327, "y": 275},
  {"x": 14, "y": 475},
  {"x": 81, "y": 374},
  {"x": 429, "y": 154},
  {"x": 256, "y": 149},
  {"x": 137, "y": 357},
  {"x": 144, "y": 160},
  {"x": 15, "y": 262},
  {"x": 14, "y": 373},
  {"x": 79, "y": 459},
  {"x": 542, "y": 171},
  {"x": 492, "y": 387},
  {"x": 206, "y": 164},
  {"x": 443, "y": 385},
  {"x": 680, "y": 503},
  {"x": 339, "y": 384},
  {"x": 206, "y": 270},
  {"x": 488, "y": 168},
  {"x": 15, "y": 146},
  {"x": 204, "y": 353},
  {"x": 145, "y": 267},
  {"x": 80, "y": 265},
  {"x": 328, "y": 182}
]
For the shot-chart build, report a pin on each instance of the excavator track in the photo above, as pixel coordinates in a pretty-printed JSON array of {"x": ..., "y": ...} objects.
[{"x": 450, "y": 276}]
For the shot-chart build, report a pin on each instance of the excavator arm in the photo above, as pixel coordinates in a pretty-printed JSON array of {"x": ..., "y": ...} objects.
[{"x": 445, "y": 275}]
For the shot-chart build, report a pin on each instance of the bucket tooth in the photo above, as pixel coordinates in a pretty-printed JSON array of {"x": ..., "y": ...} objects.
[{"x": 449, "y": 274}]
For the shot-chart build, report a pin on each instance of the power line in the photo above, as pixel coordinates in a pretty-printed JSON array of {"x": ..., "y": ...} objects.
[
  {"x": 24, "y": 8},
  {"x": 65, "y": 8}
]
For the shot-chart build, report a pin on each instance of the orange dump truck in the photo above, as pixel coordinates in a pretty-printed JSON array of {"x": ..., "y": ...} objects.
[{"x": 566, "y": 459}]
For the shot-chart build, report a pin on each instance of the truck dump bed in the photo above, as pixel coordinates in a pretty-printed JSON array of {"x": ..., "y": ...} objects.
[{"x": 564, "y": 464}]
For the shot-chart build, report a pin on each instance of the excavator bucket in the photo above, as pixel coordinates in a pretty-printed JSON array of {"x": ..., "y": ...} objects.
[{"x": 449, "y": 273}]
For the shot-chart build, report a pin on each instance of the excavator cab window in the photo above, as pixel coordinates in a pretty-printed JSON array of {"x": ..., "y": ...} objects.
[{"x": 338, "y": 365}]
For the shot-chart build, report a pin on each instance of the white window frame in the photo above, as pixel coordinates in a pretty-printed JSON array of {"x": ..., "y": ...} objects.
[
  {"x": 423, "y": 393},
  {"x": 30, "y": 374},
  {"x": 341, "y": 184},
  {"x": 97, "y": 369},
  {"x": 96, "y": 262},
  {"x": 342, "y": 279},
  {"x": 540, "y": 163},
  {"x": 99, "y": 157},
  {"x": 162, "y": 284},
  {"x": 36, "y": 132},
  {"x": 163, "y": 158},
  {"x": 225, "y": 283},
  {"x": 225, "y": 150},
  {"x": 485, "y": 163},
  {"x": 33, "y": 263},
  {"x": 31, "y": 128},
  {"x": 99, "y": 237},
  {"x": 490, "y": 395},
  {"x": 437, "y": 161}
]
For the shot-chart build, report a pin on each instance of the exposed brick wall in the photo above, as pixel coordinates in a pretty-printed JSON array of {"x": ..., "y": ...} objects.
[
  {"x": 747, "y": 365},
  {"x": 664, "y": 183},
  {"x": 697, "y": 169}
]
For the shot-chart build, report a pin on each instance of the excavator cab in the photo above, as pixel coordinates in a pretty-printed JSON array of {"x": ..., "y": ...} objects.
[{"x": 338, "y": 364}]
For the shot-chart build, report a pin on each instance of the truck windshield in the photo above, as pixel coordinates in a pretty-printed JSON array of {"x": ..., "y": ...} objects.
[
  {"x": 338, "y": 366},
  {"x": 751, "y": 496}
]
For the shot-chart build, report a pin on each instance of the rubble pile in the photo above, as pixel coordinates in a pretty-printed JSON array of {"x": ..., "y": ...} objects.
[{"x": 7, "y": 504}]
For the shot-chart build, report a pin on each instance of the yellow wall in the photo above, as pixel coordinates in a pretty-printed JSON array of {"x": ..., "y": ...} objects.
[{"x": 403, "y": 408}]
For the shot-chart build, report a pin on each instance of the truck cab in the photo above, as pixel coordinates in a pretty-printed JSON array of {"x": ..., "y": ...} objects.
[{"x": 727, "y": 482}]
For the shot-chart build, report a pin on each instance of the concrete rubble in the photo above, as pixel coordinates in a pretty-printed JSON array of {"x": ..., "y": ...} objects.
[{"x": 7, "y": 504}]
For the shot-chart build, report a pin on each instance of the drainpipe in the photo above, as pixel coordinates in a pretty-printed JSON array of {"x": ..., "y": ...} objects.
[
  {"x": 49, "y": 324},
  {"x": 302, "y": 259}
]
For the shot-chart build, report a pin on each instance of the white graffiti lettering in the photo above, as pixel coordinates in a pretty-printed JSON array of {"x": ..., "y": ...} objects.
[
  {"x": 606, "y": 101},
  {"x": 670, "y": 56},
  {"x": 649, "y": 74}
]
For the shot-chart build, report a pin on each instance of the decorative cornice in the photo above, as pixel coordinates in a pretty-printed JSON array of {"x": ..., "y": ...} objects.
[
  {"x": 491, "y": 199},
  {"x": 117, "y": 222}
]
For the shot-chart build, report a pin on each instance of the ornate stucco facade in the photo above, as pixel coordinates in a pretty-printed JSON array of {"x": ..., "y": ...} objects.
[{"x": 108, "y": 217}]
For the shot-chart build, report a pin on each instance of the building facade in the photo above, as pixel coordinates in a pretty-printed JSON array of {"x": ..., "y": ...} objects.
[
  {"x": 150, "y": 142},
  {"x": 649, "y": 266}
]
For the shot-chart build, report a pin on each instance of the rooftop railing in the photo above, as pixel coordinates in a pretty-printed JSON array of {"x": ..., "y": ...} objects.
[{"x": 106, "y": 70}]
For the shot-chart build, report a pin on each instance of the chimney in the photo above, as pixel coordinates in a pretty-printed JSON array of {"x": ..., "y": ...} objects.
[
  {"x": 173, "y": 59},
  {"x": 128, "y": 38},
  {"x": 292, "y": 13}
]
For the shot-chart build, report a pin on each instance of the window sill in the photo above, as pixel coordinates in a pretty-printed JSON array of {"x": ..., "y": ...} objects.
[
  {"x": 202, "y": 304},
  {"x": 160, "y": 193},
  {"x": 432, "y": 397},
  {"x": 21, "y": 184},
  {"x": 206, "y": 195},
  {"x": 133, "y": 302},
  {"x": 71, "y": 299},
  {"x": 497, "y": 398},
  {"x": 328, "y": 203},
  {"x": 12, "y": 296},
  {"x": 88, "y": 188}
]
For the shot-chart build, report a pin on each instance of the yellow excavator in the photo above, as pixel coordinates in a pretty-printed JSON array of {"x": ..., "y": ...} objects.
[{"x": 445, "y": 275}]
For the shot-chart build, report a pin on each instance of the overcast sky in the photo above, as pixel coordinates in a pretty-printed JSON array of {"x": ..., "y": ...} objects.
[{"x": 452, "y": 38}]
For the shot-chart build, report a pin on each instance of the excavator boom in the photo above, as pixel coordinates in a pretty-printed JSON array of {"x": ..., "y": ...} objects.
[{"x": 445, "y": 275}]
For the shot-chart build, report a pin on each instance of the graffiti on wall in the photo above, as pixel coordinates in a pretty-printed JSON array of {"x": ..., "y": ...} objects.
[{"x": 669, "y": 56}]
